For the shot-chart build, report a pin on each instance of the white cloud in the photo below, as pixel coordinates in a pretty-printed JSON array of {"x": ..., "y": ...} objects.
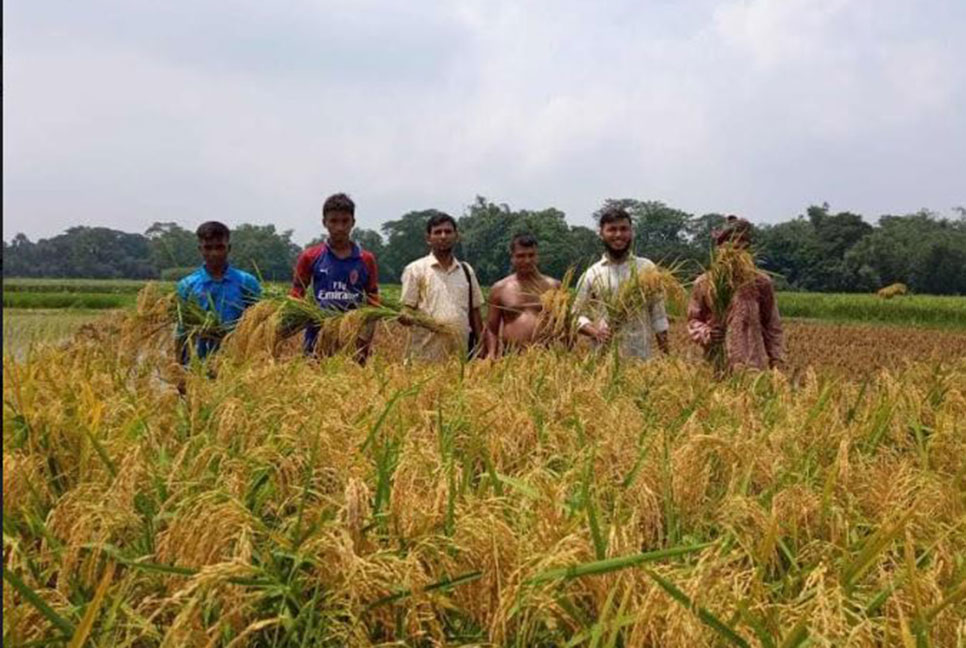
[{"x": 126, "y": 114}]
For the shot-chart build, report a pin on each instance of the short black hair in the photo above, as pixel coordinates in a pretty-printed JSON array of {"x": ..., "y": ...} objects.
[
  {"x": 612, "y": 215},
  {"x": 213, "y": 230},
  {"x": 524, "y": 239},
  {"x": 438, "y": 219},
  {"x": 339, "y": 202}
]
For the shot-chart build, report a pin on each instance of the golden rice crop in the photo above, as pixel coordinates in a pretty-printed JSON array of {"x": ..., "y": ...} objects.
[
  {"x": 893, "y": 290},
  {"x": 266, "y": 325},
  {"x": 558, "y": 322},
  {"x": 642, "y": 288},
  {"x": 543, "y": 499},
  {"x": 732, "y": 267}
]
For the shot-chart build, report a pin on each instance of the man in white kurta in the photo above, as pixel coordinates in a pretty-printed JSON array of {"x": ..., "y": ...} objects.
[{"x": 604, "y": 278}]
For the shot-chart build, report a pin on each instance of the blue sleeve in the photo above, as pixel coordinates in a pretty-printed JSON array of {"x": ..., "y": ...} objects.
[
  {"x": 184, "y": 288},
  {"x": 252, "y": 290}
]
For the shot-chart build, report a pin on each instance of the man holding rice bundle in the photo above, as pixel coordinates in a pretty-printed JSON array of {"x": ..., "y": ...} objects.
[
  {"x": 217, "y": 288},
  {"x": 733, "y": 313},
  {"x": 513, "y": 316},
  {"x": 342, "y": 275},
  {"x": 445, "y": 289},
  {"x": 599, "y": 293}
]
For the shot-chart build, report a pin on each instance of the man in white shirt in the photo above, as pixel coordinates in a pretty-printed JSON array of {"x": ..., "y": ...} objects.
[
  {"x": 604, "y": 278},
  {"x": 445, "y": 289}
]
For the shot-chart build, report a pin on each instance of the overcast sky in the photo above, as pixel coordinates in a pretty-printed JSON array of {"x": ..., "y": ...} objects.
[{"x": 125, "y": 113}]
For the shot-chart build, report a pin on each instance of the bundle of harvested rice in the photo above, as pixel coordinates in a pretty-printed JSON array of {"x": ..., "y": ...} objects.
[
  {"x": 558, "y": 322},
  {"x": 151, "y": 322},
  {"x": 276, "y": 319},
  {"x": 732, "y": 267},
  {"x": 643, "y": 288},
  {"x": 892, "y": 290},
  {"x": 195, "y": 321},
  {"x": 257, "y": 331}
]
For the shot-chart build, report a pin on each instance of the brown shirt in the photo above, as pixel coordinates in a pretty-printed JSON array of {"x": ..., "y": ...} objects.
[{"x": 753, "y": 337}]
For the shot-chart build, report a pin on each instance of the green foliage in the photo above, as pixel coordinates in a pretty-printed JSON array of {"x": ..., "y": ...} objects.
[
  {"x": 94, "y": 252},
  {"x": 261, "y": 250},
  {"x": 112, "y": 286},
  {"x": 820, "y": 250},
  {"x": 487, "y": 229},
  {"x": 177, "y": 274},
  {"x": 172, "y": 246},
  {"x": 911, "y": 310},
  {"x": 405, "y": 241},
  {"x": 66, "y": 300}
]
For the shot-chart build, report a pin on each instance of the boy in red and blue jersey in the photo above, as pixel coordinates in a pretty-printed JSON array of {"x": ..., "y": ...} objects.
[
  {"x": 341, "y": 275},
  {"x": 217, "y": 286}
]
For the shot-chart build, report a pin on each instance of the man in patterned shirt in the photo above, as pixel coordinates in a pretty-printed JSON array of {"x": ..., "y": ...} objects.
[
  {"x": 341, "y": 275},
  {"x": 752, "y": 330}
]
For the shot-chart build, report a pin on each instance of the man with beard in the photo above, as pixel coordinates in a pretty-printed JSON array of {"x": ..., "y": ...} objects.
[
  {"x": 603, "y": 279},
  {"x": 445, "y": 289},
  {"x": 513, "y": 314}
]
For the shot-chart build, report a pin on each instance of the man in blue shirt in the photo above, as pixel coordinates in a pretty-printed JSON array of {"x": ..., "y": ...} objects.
[{"x": 216, "y": 286}]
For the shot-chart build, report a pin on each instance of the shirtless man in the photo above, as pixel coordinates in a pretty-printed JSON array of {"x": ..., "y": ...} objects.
[{"x": 514, "y": 303}]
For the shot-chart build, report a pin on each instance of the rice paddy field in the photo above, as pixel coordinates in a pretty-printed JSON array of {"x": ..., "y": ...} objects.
[{"x": 550, "y": 498}]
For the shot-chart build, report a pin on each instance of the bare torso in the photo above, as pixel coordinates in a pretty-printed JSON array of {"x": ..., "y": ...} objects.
[{"x": 519, "y": 307}]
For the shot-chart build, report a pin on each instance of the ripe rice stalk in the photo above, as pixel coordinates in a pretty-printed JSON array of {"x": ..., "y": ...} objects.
[
  {"x": 345, "y": 326},
  {"x": 93, "y": 608},
  {"x": 598, "y": 567},
  {"x": 29, "y": 595},
  {"x": 558, "y": 322},
  {"x": 195, "y": 321},
  {"x": 892, "y": 290},
  {"x": 706, "y": 617},
  {"x": 871, "y": 548},
  {"x": 643, "y": 288},
  {"x": 246, "y": 470}
]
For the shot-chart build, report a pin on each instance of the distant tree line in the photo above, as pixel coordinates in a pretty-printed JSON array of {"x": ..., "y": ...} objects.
[{"x": 817, "y": 251}]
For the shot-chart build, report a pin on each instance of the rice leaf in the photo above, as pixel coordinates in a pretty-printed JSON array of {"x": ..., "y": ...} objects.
[
  {"x": 599, "y": 567},
  {"x": 439, "y": 586},
  {"x": 702, "y": 613},
  {"x": 59, "y": 622},
  {"x": 90, "y": 614}
]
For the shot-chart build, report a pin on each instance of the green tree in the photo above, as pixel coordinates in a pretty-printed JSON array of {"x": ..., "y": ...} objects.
[
  {"x": 263, "y": 251},
  {"x": 661, "y": 233},
  {"x": 405, "y": 242},
  {"x": 172, "y": 246}
]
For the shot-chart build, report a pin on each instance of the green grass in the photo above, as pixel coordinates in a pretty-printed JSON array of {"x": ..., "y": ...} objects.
[
  {"x": 909, "y": 310},
  {"x": 113, "y": 286},
  {"x": 23, "y": 329},
  {"x": 68, "y": 300}
]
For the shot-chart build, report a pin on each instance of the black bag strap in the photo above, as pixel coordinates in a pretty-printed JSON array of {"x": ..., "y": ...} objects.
[{"x": 469, "y": 284}]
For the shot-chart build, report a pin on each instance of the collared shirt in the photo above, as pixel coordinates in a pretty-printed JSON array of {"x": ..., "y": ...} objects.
[
  {"x": 228, "y": 296},
  {"x": 444, "y": 295},
  {"x": 600, "y": 282}
]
